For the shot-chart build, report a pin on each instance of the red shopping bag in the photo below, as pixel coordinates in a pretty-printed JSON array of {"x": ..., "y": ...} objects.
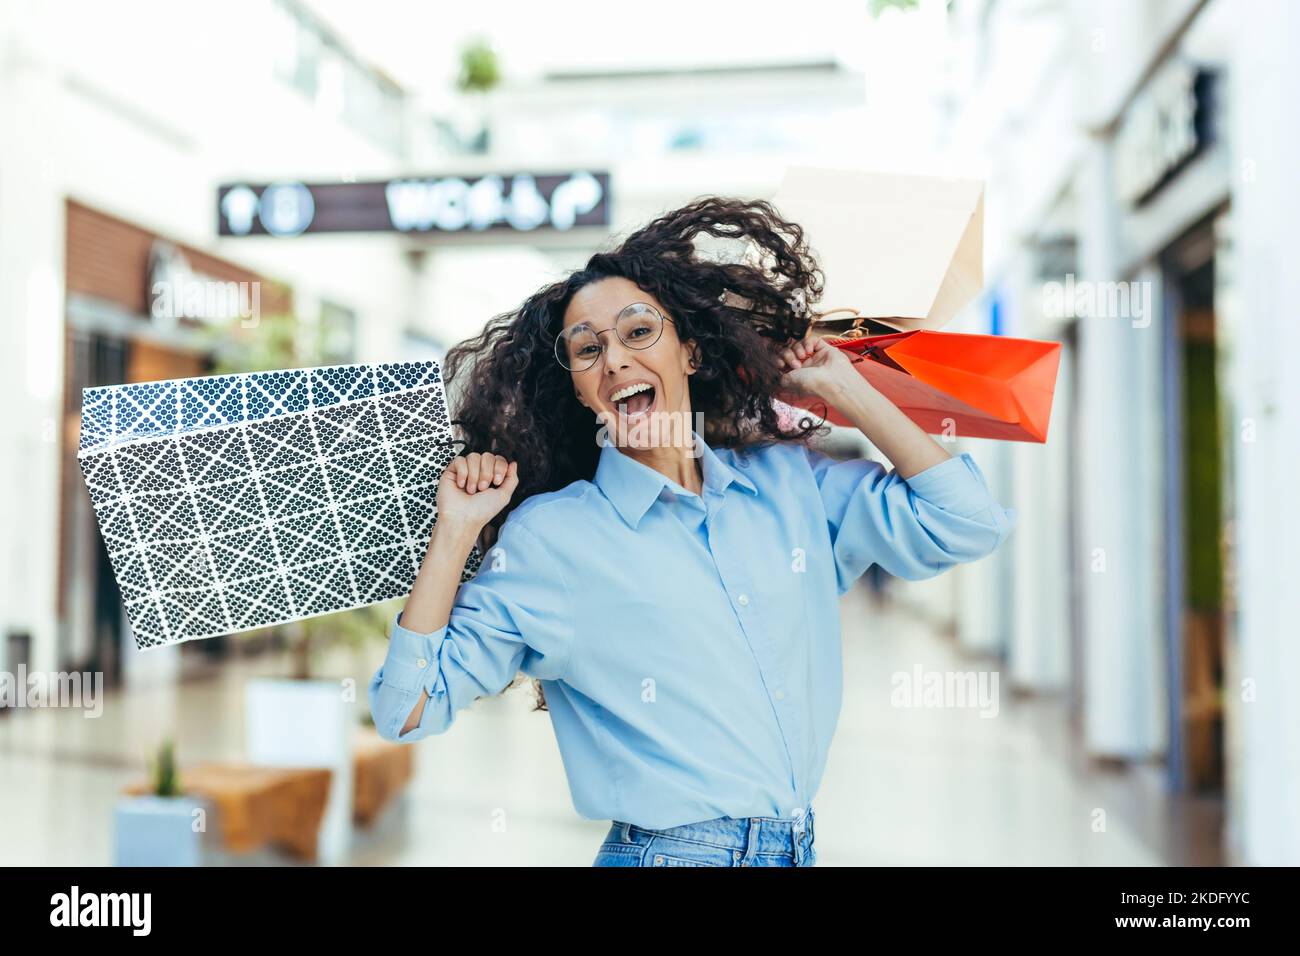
[{"x": 972, "y": 386}]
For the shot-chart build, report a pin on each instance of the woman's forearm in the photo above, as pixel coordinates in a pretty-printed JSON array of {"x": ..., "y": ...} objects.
[
  {"x": 901, "y": 440},
  {"x": 434, "y": 592}
]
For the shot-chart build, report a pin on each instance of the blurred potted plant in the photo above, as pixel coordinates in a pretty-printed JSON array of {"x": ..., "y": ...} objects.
[
  {"x": 353, "y": 629},
  {"x": 878, "y": 7},
  {"x": 164, "y": 826},
  {"x": 480, "y": 73}
]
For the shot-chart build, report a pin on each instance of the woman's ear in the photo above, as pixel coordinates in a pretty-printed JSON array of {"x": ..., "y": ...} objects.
[{"x": 693, "y": 361}]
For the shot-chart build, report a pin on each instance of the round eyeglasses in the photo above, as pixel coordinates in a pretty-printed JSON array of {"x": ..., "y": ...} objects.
[{"x": 638, "y": 326}]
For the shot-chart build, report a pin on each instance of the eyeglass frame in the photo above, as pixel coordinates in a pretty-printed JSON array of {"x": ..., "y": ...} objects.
[{"x": 614, "y": 328}]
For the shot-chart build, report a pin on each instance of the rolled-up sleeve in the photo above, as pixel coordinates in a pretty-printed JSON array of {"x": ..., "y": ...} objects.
[
  {"x": 514, "y": 615},
  {"x": 913, "y": 528}
]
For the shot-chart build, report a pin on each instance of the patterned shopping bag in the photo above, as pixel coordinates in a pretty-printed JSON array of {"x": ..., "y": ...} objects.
[{"x": 234, "y": 502}]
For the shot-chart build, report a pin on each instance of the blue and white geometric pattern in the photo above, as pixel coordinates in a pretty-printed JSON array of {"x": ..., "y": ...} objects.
[{"x": 233, "y": 502}]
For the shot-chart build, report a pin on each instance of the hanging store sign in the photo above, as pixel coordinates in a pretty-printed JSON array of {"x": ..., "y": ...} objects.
[
  {"x": 523, "y": 202},
  {"x": 1169, "y": 123}
]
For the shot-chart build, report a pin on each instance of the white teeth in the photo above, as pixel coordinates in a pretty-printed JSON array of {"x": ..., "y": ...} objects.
[{"x": 628, "y": 392}]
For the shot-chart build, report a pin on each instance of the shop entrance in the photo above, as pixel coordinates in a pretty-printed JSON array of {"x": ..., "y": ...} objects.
[
  {"x": 88, "y": 585},
  {"x": 1195, "y": 512},
  {"x": 93, "y": 359}
]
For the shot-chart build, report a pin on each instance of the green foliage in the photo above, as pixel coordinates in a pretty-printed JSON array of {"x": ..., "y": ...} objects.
[
  {"x": 480, "y": 69},
  {"x": 1202, "y": 477},
  {"x": 275, "y": 342},
  {"x": 352, "y": 629},
  {"x": 877, "y": 7},
  {"x": 163, "y": 776}
]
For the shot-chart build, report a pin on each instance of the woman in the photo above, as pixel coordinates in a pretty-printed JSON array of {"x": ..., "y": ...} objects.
[{"x": 674, "y": 589}]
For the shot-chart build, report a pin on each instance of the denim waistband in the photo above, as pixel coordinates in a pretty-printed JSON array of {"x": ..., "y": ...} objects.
[{"x": 749, "y": 835}]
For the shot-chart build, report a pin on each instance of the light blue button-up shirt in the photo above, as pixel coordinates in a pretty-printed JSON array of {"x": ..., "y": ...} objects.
[{"x": 688, "y": 645}]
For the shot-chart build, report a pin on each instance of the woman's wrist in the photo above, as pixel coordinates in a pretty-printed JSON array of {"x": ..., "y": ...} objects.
[
  {"x": 842, "y": 387},
  {"x": 429, "y": 605},
  {"x": 453, "y": 538},
  {"x": 884, "y": 424}
]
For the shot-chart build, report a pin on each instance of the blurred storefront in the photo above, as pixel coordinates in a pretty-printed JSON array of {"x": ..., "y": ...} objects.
[
  {"x": 1172, "y": 188},
  {"x": 1125, "y": 174},
  {"x": 119, "y": 329},
  {"x": 108, "y": 187}
]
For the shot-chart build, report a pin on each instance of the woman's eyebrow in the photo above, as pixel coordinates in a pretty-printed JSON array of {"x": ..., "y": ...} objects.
[
  {"x": 578, "y": 325},
  {"x": 584, "y": 322}
]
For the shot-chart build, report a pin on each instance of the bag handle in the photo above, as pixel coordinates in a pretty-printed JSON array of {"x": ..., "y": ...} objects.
[
  {"x": 875, "y": 352},
  {"x": 862, "y": 326},
  {"x": 455, "y": 441}
]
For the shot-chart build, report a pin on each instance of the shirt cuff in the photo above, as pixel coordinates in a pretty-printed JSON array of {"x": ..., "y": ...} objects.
[
  {"x": 412, "y": 657},
  {"x": 956, "y": 485}
]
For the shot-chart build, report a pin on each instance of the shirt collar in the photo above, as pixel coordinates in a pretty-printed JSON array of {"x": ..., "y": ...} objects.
[{"x": 633, "y": 487}]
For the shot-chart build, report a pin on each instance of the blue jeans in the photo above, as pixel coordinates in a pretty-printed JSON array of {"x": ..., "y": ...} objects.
[{"x": 725, "y": 841}]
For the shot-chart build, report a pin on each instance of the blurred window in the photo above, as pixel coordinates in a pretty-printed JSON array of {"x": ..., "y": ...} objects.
[{"x": 312, "y": 60}]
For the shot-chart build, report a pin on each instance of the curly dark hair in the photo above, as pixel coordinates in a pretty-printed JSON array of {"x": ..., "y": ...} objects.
[{"x": 512, "y": 398}]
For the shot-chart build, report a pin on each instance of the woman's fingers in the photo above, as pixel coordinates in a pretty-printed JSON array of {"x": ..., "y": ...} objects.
[
  {"x": 510, "y": 480},
  {"x": 472, "y": 461},
  {"x": 479, "y": 471},
  {"x": 800, "y": 352}
]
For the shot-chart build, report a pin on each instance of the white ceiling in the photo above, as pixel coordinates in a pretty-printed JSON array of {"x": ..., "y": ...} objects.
[{"x": 417, "y": 43}]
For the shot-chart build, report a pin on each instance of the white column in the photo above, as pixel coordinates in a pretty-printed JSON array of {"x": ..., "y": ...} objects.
[
  {"x": 1120, "y": 467},
  {"x": 1038, "y": 652},
  {"x": 1263, "y": 706},
  {"x": 31, "y": 362},
  {"x": 984, "y": 588}
]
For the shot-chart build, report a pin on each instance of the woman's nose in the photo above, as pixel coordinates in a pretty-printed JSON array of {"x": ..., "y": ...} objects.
[{"x": 616, "y": 355}]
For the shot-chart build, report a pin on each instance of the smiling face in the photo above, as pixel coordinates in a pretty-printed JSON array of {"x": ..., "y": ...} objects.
[{"x": 626, "y": 386}]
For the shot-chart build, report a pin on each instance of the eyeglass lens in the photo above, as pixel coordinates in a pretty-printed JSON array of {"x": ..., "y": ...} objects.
[{"x": 638, "y": 327}]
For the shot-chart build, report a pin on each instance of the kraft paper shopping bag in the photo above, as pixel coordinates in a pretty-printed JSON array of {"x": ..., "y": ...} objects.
[{"x": 906, "y": 250}]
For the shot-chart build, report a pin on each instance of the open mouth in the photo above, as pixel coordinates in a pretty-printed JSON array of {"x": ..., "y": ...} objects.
[{"x": 635, "y": 402}]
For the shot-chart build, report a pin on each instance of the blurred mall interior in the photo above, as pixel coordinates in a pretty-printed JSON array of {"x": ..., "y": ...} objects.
[{"x": 1138, "y": 617}]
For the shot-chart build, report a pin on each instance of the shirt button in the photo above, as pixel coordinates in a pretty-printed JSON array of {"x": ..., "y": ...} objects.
[
  {"x": 779, "y": 695},
  {"x": 421, "y": 663},
  {"x": 743, "y": 600},
  {"x": 743, "y": 462}
]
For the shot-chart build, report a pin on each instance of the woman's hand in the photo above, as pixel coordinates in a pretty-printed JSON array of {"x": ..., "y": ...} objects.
[
  {"x": 815, "y": 368},
  {"x": 474, "y": 488}
]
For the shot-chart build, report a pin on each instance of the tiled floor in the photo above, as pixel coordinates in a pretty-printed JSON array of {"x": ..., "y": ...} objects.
[{"x": 903, "y": 786}]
